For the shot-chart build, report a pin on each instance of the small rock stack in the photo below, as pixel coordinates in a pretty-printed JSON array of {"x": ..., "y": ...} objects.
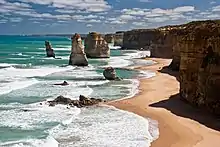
[{"x": 49, "y": 50}]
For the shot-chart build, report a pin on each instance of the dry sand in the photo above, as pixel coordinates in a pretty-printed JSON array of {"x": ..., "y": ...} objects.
[{"x": 180, "y": 125}]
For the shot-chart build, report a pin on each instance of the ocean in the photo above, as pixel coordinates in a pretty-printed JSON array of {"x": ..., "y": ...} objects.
[{"x": 26, "y": 80}]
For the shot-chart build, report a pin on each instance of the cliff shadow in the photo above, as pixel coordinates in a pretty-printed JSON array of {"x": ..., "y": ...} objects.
[
  {"x": 169, "y": 71},
  {"x": 183, "y": 109}
]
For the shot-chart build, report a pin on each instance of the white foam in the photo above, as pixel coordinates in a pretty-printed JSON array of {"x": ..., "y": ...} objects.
[
  {"x": 118, "y": 62},
  {"x": 38, "y": 71},
  {"x": 37, "y": 115},
  {"x": 138, "y": 54},
  {"x": 105, "y": 126},
  {"x": 111, "y": 46},
  {"x": 18, "y": 84},
  {"x": 4, "y": 65},
  {"x": 48, "y": 142}
]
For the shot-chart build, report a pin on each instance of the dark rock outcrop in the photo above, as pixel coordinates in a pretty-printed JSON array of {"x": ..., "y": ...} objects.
[
  {"x": 82, "y": 102},
  {"x": 96, "y": 46},
  {"x": 49, "y": 50},
  {"x": 118, "y": 38},
  {"x": 109, "y": 38},
  {"x": 200, "y": 64},
  {"x": 110, "y": 74},
  {"x": 77, "y": 56}
]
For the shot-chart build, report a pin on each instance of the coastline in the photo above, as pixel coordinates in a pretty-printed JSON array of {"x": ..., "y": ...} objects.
[{"x": 180, "y": 125}]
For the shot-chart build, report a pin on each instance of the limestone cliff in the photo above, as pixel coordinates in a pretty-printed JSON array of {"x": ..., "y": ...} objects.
[
  {"x": 96, "y": 46},
  {"x": 158, "y": 41},
  {"x": 118, "y": 38},
  {"x": 200, "y": 64},
  {"x": 109, "y": 38}
]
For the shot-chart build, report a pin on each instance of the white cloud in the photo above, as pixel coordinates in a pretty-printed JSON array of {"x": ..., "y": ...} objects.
[
  {"x": 89, "y": 25},
  {"x": 213, "y": 2},
  {"x": 184, "y": 9},
  {"x": 89, "y": 21},
  {"x": 3, "y": 21},
  {"x": 88, "y": 5},
  {"x": 142, "y": 24},
  {"x": 145, "y": 1},
  {"x": 216, "y": 8},
  {"x": 16, "y": 19},
  {"x": 7, "y": 7}
]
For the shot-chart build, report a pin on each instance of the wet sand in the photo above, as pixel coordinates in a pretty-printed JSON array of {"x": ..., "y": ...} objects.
[{"x": 180, "y": 125}]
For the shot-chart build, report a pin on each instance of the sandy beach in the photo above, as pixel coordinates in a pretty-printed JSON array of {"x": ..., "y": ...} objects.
[{"x": 180, "y": 125}]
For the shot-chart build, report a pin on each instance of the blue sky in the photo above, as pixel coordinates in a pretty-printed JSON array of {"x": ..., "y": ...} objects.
[{"x": 82, "y": 16}]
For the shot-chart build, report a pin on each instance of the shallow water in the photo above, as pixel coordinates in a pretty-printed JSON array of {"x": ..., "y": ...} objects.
[{"x": 27, "y": 78}]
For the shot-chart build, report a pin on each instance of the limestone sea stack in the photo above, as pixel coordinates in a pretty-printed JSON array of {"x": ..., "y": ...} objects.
[
  {"x": 109, "y": 38},
  {"x": 49, "y": 50},
  {"x": 118, "y": 38},
  {"x": 77, "y": 56},
  {"x": 96, "y": 46}
]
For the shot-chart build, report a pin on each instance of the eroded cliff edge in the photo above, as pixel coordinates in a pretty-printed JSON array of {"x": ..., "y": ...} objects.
[
  {"x": 200, "y": 64},
  {"x": 195, "y": 50}
]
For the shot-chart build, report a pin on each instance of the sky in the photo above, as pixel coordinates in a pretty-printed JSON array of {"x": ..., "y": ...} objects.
[{"x": 104, "y": 16}]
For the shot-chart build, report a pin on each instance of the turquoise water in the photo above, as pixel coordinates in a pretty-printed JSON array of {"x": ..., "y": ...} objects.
[{"x": 27, "y": 77}]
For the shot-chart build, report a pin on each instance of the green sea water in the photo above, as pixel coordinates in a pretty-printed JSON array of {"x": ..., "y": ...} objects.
[{"x": 27, "y": 77}]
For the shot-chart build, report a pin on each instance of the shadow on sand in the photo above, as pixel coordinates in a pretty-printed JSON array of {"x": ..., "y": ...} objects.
[{"x": 181, "y": 108}]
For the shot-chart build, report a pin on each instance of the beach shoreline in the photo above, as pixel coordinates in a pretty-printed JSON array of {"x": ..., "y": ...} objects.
[{"x": 180, "y": 125}]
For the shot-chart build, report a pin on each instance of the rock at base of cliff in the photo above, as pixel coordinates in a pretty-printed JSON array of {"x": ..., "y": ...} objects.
[{"x": 78, "y": 59}]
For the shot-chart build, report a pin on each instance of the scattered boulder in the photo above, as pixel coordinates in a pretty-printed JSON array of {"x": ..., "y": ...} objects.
[
  {"x": 77, "y": 56},
  {"x": 82, "y": 102},
  {"x": 110, "y": 74},
  {"x": 49, "y": 50},
  {"x": 96, "y": 46}
]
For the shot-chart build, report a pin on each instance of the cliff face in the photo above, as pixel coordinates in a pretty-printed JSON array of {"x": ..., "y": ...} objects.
[
  {"x": 200, "y": 64},
  {"x": 96, "y": 46},
  {"x": 158, "y": 41},
  {"x": 118, "y": 39},
  {"x": 109, "y": 38}
]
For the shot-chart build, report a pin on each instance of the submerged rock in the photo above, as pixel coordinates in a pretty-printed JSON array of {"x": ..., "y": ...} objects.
[
  {"x": 82, "y": 102},
  {"x": 49, "y": 50},
  {"x": 96, "y": 46},
  {"x": 77, "y": 56},
  {"x": 110, "y": 74},
  {"x": 62, "y": 84}
]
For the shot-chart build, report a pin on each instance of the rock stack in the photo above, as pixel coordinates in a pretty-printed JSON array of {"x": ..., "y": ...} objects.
[
  {"x": 77, "y": 56},
  {"x": 96, "y": 46},
  {"x": 109, "y": 38},
  {"x": 118, "y": 38},
  {"x": 49, "y": 50},
  {"x": 110, "y": 74}
]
